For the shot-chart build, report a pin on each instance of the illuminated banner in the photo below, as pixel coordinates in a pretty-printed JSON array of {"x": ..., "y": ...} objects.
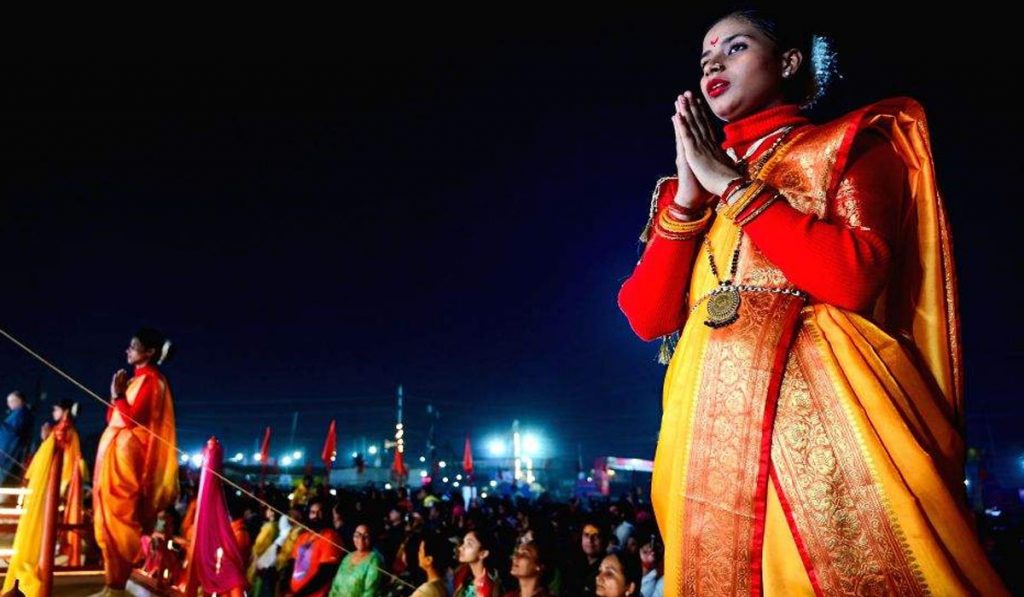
[{"x": 630, "y": 464}]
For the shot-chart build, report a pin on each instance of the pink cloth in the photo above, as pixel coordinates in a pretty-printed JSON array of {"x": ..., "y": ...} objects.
[{"x": 213, "y": 531}]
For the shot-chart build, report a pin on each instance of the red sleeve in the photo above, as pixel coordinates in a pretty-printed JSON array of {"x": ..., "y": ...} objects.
[
  {"x": 138, "y": 412},
  {"x": 653, "y": 298},
  {"x": 844, "y": 261}
]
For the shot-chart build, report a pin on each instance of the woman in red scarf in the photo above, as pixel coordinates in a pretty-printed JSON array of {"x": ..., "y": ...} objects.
[{"x": 811, "y": 439}]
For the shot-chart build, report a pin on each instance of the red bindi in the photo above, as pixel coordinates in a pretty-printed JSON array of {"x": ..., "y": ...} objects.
[{"x": 714, "y": 42}]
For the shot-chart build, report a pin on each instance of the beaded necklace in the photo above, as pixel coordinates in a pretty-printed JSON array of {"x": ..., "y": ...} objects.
[{"x": 723, "y": 306}]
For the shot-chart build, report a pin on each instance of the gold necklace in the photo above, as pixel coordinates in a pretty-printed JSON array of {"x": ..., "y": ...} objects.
[
  {"x": 724, "y": 305},
  {"x": 724, "y": 302}
]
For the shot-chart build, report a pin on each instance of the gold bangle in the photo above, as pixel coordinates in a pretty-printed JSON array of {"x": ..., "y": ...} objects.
[
  {"x": 759, "y": 210},
  {"x": 673, "y": 229},
  {"x": 671, "y": 224}
]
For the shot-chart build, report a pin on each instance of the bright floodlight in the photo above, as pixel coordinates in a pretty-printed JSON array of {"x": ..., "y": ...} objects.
[
  {"x": 286, "y": 461},
  {"x": 494, "y": 483},
  {"x": 257, "y": 456},
  {"x": 238, "y": 457},
  {"x": 531, "y": 444},
  {"x": 423, "y": 458},
  {"x": 373, "y": 450},
  {"x": 355, "y": 454},
  {"x": 423, "y": 473},
  {"x": 297, "y": 455},
  {"x": 495, "y": 447},
  {"x": 442, "y": 464},
  {"x": 387, "y": 486},
  {"x": 197, "y": 460},
  {"x": 184, "y": 458}
]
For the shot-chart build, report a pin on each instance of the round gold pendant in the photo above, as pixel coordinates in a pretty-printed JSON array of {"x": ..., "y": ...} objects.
[{"x": 723, "y": 308}]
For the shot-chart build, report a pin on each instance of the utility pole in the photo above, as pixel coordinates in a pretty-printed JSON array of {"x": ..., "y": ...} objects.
[{"x": 295, "y": 423}]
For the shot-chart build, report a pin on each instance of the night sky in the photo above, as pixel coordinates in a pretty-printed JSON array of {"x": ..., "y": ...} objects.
[{"x": 449, "y": 210}]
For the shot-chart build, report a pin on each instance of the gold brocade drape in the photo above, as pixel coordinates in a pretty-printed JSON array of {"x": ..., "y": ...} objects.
[{"x": 806, "y": 449}]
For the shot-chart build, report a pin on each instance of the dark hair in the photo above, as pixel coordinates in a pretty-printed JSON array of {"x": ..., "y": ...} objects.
[
  {"x": 437, "y": 547},
  {"x": 544, "y": 546},
  {"x": 631, "y": 570},
  {"x": 820, "y": 65},
  {"x": 599, "y": 524},
  {"x": 152, "y": 339},
  {"x": 315, "y": 502},
  {"x": 487, "y": 539},
  {"x": 371, "y": 527},
  {"x": 654, "y": 540},
  {"x": 68, "y": 406}
]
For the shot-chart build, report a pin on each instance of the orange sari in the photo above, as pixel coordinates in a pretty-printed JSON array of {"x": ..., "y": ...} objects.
[
  {"x": 809, "y": 450},
  {"x": 136, "y": 475}
]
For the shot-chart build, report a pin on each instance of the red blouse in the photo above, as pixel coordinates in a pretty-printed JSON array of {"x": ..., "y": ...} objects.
[
  {"x": 138, "y": 412},
  {"x": 833, "y": 262}
]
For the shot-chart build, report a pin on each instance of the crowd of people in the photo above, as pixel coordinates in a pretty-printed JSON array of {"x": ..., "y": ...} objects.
[{"x": 344, "y": 542}]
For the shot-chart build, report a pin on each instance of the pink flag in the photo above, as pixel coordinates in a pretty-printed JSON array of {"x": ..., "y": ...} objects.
[{"x": 216, "y": 558}]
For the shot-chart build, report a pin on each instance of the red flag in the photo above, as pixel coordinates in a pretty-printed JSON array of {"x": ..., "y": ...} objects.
[
  {"x": 398, "y": 466},
  {"x": 265, "y": 448},
  {"x": 330, "y": 447},
  {"x": 467, "y": 458}
]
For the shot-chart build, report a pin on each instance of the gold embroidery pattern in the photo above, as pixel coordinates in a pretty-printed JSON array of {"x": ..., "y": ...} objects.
[
  {"x": 721, "y": 468},
  {"x": 855, "y": 546},
  {"x": 847, "y": 205},
  {"x": 802, "y": 171},
  {"x": 723, "y": 465}
]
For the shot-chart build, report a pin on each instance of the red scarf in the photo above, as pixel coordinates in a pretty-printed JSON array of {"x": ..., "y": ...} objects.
[{"x": 741, "y": 134}]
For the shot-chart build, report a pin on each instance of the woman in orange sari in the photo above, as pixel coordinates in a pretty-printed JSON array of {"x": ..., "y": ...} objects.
[
  {"x": 136, "y": 468},
  {"x": 811, "y": 439}
]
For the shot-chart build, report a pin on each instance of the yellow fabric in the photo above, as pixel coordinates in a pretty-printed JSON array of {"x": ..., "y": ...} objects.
[
  {"x": 116, "y": 491},
  {"x": 136, "y": 477},
  {"x": 28, "y": 537},
  {"x": 161, "y": 458},
  {"x": 72, "y": 459},
  {"x": 287, "y": 547},
  {"x": 265, "y": 538},
  {"x": 784, "y": 572},
  {"x": 905, "y": 417},
  {"x": 904, "y": 435}
]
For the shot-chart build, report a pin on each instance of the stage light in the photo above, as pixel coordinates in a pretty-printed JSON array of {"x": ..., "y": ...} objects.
[{"x": 496, "y": 448}]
